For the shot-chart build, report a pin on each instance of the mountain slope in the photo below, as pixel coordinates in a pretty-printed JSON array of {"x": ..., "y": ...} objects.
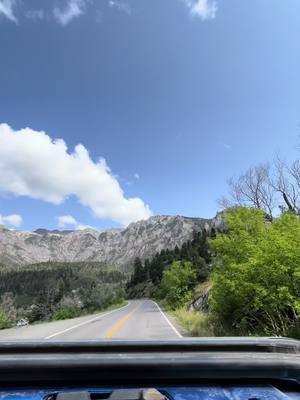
[{"x": 116, "y": 247}]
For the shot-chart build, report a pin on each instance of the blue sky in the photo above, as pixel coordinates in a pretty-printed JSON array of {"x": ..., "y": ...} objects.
[{"x": 175, "y": 95}]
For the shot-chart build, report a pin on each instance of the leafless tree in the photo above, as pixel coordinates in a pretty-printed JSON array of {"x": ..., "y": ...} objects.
[
  {"x": 295, "y": 172},
  {"x": 284, "y": 182},
  {"x": 252, "y": 189}
]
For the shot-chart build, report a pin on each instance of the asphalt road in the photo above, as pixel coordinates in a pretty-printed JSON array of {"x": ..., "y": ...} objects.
[{"x": 140, "y": 319}]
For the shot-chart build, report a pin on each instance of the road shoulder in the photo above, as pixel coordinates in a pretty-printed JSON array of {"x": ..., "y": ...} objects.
[{"x": 183, "y": 332}]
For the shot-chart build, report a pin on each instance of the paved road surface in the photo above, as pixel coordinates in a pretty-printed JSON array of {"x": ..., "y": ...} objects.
[{"x": 140, "y": 319}]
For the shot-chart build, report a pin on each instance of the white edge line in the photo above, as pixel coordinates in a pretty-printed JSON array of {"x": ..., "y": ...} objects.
[
  {"x": 85, "y": 322},
  {"x": 168, "y": 321}
]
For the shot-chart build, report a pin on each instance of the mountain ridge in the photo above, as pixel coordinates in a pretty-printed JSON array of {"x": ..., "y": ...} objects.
[{"x": 113, "y": 246}]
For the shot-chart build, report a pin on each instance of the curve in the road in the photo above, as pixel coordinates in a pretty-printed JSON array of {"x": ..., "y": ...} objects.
[
  {"x": 138, "y": 320},
  {"x": 142, "y": 319}
]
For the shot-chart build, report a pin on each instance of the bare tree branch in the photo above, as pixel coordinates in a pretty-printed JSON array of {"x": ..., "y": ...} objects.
[
  {"x": 253, "y": 189},
  {"x": 295, "y": 172},
  {"x": 285, "y": 186}
]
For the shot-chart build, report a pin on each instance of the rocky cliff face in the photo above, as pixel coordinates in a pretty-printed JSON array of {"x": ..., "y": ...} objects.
[{"x": 115, "y": 247}]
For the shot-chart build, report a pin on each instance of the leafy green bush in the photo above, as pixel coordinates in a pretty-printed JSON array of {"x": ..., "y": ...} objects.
[
  {"x": 98, "y": 298},
  {"x": 5, "y": 322},
  {"x": 66, "y": 313},
  {"x": 38, "y": 312},
  {"x": 177, "y": 283},
  {"x": 256, "y": 276},
  {"x": 195, "y": 322},
  {"x": 119, "y": 296}
]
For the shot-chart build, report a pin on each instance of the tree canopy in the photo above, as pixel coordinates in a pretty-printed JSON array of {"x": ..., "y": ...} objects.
[{"x": 256, "y": 273}]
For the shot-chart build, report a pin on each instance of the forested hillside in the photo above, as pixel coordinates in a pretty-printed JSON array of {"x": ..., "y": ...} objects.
[
  {"x": 172, "y": 273},
  {"x": 46, "y": 291}
]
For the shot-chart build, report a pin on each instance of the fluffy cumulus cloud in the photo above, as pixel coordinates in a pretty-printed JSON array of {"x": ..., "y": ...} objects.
[
  {"x": 65, "y": 221},
  {"x": 7, "y": 8},
  {"x": 204, "y": 9},
  {"x": 34, "y": 165},
  {"x": 13, "y": 220},
  {"x": 73, "y": 9}
]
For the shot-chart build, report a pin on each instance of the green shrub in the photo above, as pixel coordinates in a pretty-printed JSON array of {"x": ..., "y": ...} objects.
[
  {"x": 256, "y": 276},
  {"x": 177, "y": 283},
  {"x": 119, "y": 296},
  {"x": 38, "y": 312},
  {"x": 5, "y": 322},
  {"x": 66, "y": 313},
  {"x": 97, "y": 299}
]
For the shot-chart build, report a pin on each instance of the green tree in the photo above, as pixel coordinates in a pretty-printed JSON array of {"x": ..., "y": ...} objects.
[
  {"x": 200, "y": 267},
  {"x": 156, "y": 269},
  {"x": 98, "y": 299},
  {"x": 256, "y": 276},
  {"x": 139, "y": 273},
  {"x": 8, "y": 305},
  {"x": 5, "y": 322},
  {"x": 147, "y": 267},
  {"x": 177, "y": 283}
]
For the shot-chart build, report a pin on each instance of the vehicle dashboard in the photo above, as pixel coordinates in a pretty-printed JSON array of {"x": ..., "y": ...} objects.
[
  {"x": 204, "y": 392},
  {"x": 232, "y": 368}
]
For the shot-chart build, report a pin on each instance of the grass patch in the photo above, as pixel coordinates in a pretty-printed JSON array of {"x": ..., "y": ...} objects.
[{"x": 195, "y": 322}]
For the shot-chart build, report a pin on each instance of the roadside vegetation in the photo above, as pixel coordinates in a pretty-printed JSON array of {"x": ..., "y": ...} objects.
[
  {"x": 55, "y": 291},
  {"x": 179, "y": 268},
  {"x": 256, "y": 274},
  {"x": 196, "y": 323},
  {"x": 245, "y": 278},
  {"x": 178, "y": 274}
]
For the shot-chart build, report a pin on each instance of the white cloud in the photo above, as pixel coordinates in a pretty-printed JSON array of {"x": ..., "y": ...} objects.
[
  {"x": 7, "y": 9},
  {"x": 34, "y": 165},
  {"x": 13, "y": 220},
  {"x": 124, "y": 7},
  {"x": 136, "y": 175},
  {"x": 67, "y": 220},
  {"x": 35, "y": 15},
  {"x": 204, "y": 9},
  {"x": 73, "y": 9}
]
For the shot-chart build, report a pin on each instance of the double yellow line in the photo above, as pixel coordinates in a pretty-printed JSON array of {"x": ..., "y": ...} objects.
[{"x": 109, "y": 334}]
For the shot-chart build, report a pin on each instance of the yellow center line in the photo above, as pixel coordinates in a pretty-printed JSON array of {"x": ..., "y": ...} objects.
[{"x": 109, "y": 334}]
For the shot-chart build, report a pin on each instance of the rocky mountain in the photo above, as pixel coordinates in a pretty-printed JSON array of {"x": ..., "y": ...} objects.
[{"x": 115, "y": 247}]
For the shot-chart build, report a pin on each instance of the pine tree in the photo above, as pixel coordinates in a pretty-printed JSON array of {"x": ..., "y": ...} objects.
[
  {"x": 139, "y": 274},
  {"x": 147, "y": 267}
]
